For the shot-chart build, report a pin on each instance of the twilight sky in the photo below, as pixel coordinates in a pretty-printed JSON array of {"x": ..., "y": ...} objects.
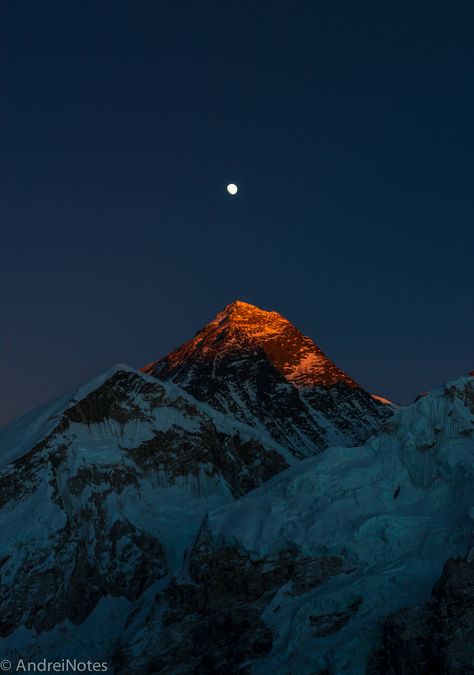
[{"x": 349, "y": 128}]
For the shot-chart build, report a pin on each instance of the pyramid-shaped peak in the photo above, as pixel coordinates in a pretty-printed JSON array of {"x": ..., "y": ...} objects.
[
  {"x": 250, "y": 319},
  {"x": 235, "y": 334},
  {"x": 241, "y": 304},
  {"x": 241, "y": 308},
  {"x": 257, "y": 366}
]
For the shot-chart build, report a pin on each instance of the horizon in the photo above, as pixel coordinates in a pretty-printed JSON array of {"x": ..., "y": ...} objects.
[
  {"x": 348, "y": 131},
  {"x": 141, "y": 368}
]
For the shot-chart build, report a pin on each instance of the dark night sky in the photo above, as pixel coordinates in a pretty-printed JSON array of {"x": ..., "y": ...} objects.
[{"x": 347, "y": 126}]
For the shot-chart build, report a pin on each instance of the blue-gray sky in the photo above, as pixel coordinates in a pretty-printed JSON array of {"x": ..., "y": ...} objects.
[{"x": 348, "y": 127}]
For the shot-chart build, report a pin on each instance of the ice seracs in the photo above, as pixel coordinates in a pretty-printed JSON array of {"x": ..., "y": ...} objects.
[{"x": 310, "y": 564}]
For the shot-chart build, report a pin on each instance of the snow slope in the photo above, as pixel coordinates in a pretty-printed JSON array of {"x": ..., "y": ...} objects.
[
  {"x": 322, "y": 552},
  {"x": 103, "y": 490}
]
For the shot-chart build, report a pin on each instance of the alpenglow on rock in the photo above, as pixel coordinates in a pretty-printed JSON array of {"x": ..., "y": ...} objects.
[{"x": 257, "y": 366}]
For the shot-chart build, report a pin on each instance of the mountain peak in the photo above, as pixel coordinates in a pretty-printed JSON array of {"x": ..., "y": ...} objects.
[
  {"x": 241, "y": 307},
  {"x": 260, "y": 368},
  {"x": 238, "y": 331},
  {"x": 250, "y": 319}
]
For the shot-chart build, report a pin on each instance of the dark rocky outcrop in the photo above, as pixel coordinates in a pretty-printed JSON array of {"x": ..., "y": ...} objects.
[
  {"x": 325, "y": 624},
  {"x": 436, "y": 638},
  {"x": 213, "y": 622}
]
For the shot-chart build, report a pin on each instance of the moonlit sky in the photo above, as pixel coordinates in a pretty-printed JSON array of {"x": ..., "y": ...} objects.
[{"x": 348, "y": 127}]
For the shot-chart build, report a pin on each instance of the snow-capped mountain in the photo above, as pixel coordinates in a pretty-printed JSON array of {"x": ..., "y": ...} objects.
[
  {"x": 299, "y": 575},
  {"x": 171, "y": 526},
  {"x": 257, "y": 366},
  {"x": 103, "y": 489}
]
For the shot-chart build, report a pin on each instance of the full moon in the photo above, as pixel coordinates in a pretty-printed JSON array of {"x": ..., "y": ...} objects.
[{"x": 232, "y": 189}]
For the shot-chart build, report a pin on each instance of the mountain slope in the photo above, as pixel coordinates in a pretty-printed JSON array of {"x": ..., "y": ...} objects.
[
  {"x": 256, "y": 365},
  {"x": 102, "y": 491},
  {"x": 434, "y": 638},
  {"x": 297, "y": 575}
]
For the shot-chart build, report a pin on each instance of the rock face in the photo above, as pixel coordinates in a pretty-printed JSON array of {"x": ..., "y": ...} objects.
[
  {"x": 265, "y": 372},
  {"x": 437, "y": 637},
  {"x": 297, "y": 576},
  {"x": 212, "y": 623},
  {"x": 103, "y": 490}
]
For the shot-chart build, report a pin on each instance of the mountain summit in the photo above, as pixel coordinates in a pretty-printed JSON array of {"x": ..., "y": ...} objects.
[
  {"x": 241, "y": 327},
  {"x": 256, "y": 365}
]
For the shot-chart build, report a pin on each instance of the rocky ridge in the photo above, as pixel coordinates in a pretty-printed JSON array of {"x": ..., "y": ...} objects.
[
  {"x": 257, "y": 366},
  {"x": 114, "y": 483}
]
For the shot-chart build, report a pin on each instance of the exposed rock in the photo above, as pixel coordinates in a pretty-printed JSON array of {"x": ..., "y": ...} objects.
[
  {"x": 317, "y": 557},
  {"x": 325, "y": 624},
  {"x": 74, "y": 534},
  {"x": 436, "y": 638},
  {"x": 213, "y": 623},
  {"x": 244, "y": 464},
  {"x": 259, "y": 367}
]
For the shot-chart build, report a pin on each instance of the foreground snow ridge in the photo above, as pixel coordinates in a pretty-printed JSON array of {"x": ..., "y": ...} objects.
[{"x": 392, "y": 511}]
